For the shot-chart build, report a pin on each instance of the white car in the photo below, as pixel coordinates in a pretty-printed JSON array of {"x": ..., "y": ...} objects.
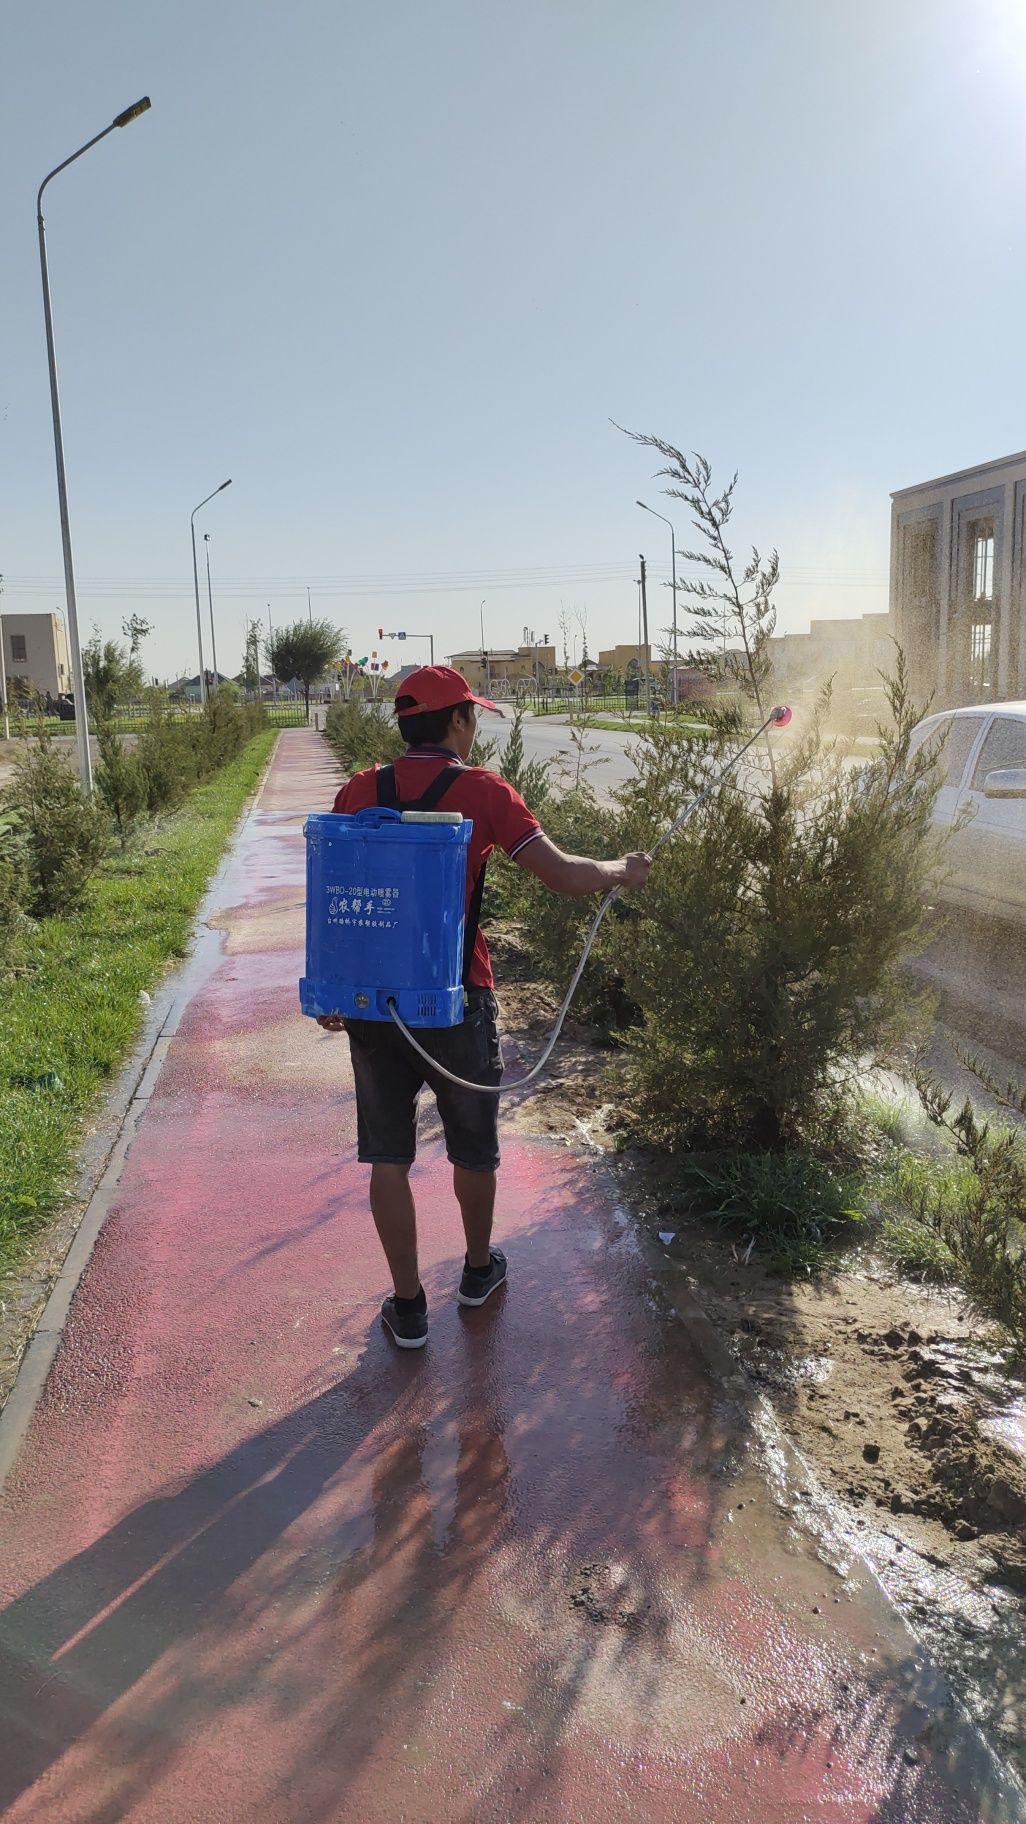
[{"x": 983, "y": 764}]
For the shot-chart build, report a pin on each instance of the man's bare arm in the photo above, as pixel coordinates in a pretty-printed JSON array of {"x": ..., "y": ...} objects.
[{"x": 577, "y": 874}]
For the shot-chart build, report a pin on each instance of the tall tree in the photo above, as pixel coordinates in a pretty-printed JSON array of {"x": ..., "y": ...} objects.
[{"x": 305, "y": 650}]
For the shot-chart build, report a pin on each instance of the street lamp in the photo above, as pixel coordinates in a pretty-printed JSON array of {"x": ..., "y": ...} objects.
[
  {"x": 484, "y": 652},
  {"x": 210, "y": 604},
  {"x": 85, "y": 768},
  {"x": 195, "y": 584},
  {"x": 673, "y": 556},
  {"x": 270, "y": 643}
]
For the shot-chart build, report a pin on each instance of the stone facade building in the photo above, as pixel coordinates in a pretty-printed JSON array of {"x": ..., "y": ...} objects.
[{"x": 958, "y": 584}]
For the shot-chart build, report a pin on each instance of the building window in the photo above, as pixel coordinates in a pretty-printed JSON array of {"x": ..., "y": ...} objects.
[
  {"x": 979, "y": 655},
  {"x": 983, "y": 562},
  {"x": 19, "y": 655}
]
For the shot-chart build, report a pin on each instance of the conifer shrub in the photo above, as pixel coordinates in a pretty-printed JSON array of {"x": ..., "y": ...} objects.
[
  {"x": 14, "y": 876},
  {"x": 66, "y": 834},
  {"x": 976, "y": 1205},
  {"x": 120, "y": 782},
  {"x": 167, "y": 758},
  {"x": 362, "y": 736},
  {"x": 767, "y": 951}
]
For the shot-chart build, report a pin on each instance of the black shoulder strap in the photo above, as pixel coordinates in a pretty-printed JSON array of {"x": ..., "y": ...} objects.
[
  {"x": 473, "y": 920},
  {"x": 384, "y": 780},
  {"x": 388, "y": 797},
  {"x": 437, "y": 789}
]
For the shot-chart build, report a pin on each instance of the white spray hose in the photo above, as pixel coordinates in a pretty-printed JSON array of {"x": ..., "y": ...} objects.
[{"x": 778, "y": 717}]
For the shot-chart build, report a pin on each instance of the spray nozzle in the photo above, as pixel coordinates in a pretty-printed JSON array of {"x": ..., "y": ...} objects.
[{"x": 781, "y": 716}]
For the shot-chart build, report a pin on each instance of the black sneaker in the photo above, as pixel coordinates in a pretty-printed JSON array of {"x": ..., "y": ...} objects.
[
  {"x": 476, "y": 1286},
  {"x": 408, "y": 1328}
]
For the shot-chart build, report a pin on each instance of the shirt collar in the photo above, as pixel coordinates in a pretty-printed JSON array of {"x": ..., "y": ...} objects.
[{"x": 432, "y": 753}]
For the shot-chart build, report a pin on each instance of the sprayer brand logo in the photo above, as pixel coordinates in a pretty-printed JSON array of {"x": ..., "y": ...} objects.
[{"x": 369, "y": 908}]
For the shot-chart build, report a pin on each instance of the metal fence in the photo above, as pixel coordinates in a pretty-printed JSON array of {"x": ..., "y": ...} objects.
[
  {"x": 621, "y": 704},
  {"x": 129, "y": 718}
]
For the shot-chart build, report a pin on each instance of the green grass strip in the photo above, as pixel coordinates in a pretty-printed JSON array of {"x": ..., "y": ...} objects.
[{"x": 69, "y": 1004}]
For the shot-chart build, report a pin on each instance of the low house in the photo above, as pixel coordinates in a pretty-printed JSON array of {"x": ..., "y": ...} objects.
[{"x": 36, "y": 653}]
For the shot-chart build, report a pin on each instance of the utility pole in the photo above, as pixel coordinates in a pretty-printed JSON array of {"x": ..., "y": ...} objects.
[
  {"x": 309, "y": 610},
  {"x": 644, "y": 614},
  {"x": 270, "y": 643}
]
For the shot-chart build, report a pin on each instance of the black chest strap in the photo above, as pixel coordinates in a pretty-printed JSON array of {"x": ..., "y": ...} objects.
[{"x": 388, "y": 798}]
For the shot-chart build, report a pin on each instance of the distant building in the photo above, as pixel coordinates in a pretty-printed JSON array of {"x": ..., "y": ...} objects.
[
  {"x": 502, "y": 671},
  {"x": 958, "y": 582},
  {"x": 36, "y": 652},
  {"x": 852, "y": 652},
  {"x": 626, "y": 661},
  {"x": 189, "y": 688}
]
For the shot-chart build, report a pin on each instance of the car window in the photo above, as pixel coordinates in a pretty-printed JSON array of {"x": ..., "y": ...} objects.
[
  {"x": 935, "y": 734},
  {"x": 951, "y": 737},
  {"x": 1005, "y": 746},
  {"x": 962, "y": 733}
]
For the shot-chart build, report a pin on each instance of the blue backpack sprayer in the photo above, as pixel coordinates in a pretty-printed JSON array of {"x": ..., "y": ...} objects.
[{"x": 388, "y": 932}]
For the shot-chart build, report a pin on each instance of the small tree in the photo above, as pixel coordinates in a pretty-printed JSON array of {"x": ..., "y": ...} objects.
[
  {"x": 112, "y": 675},
  {"x": 767, "y": 952},
  {"x": 121, "y": 782},
  {"x": 135, "y": 630},
  {"x": 734, "y": 601},
  {"x": 305, "y": 650},
  {"x": 66, "y": 833},
  {"x": 251, "y": 659}
]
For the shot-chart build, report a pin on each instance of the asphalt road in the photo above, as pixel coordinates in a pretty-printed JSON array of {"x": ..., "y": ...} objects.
[{"x": 550, "y": 738}]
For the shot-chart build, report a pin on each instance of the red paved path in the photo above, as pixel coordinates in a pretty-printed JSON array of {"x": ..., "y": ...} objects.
[{"x": 260, "y": 1566}]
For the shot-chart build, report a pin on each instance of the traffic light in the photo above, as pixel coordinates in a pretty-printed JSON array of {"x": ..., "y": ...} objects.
[{"x": 381, "y": 633}]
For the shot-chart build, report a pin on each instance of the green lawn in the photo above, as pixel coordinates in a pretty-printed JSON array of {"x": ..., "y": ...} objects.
[{"x": 69, "y": 1002}]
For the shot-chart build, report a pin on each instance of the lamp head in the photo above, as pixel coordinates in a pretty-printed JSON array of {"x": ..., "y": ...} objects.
[
  {"x": 132, "y": 113},
  {"x": 225, "y": 484}
]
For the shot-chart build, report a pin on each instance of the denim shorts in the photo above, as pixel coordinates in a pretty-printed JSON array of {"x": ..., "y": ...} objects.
[{"x": 390, "y": 1076}]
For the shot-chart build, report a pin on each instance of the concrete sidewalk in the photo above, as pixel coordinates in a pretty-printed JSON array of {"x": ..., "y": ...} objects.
[{"x": 259, "y": 1566}]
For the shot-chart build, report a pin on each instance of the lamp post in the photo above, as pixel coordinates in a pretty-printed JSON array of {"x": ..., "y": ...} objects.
[
  {"x": 210, "y": 604},
  {"x": 85, "y": 768},
  {"x": 673, "y": 558},
  {"x": 195, "y": 584}
]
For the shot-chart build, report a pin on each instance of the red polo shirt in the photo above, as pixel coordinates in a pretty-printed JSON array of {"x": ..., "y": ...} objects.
[{"x": 499, "y": 816}]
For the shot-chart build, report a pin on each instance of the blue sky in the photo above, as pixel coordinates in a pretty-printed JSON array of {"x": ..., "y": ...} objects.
[{"x": 394, "y": 269}]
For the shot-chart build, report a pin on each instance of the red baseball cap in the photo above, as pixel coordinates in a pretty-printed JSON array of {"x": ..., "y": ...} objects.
[{"x": 438, "y": 687}]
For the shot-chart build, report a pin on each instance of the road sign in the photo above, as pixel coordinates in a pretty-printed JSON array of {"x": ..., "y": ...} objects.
[
  {"x": 576, "y": 676},
  {"x": 400, "y": 636}
]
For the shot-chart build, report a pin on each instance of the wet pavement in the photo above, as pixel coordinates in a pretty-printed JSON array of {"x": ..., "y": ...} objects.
[{"x": 260, "y": 1566}]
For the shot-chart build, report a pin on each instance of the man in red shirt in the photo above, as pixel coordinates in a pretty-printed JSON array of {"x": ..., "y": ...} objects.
[{"x": 437, "y": 712}]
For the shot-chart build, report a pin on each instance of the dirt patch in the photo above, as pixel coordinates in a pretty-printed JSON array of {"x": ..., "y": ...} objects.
[{"x": 576, "y": 1097}]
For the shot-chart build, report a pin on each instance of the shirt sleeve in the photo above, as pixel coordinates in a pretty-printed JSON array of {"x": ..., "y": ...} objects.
[
  {"x": 355, "y": 794},
  {"x": 513, "y": 825}
]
